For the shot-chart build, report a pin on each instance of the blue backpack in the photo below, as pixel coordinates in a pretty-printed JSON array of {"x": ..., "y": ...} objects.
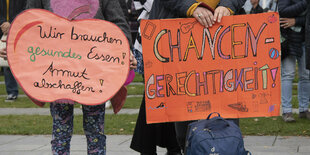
[{"x": 214, "y": 136}]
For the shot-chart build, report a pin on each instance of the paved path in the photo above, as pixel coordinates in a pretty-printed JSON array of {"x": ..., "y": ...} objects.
[{"x": 119, "y": 145}]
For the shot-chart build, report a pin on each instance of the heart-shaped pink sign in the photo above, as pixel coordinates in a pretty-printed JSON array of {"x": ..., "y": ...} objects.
[{"x": 53, "y": 58}]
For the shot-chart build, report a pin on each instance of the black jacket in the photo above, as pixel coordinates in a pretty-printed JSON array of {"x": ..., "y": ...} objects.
[
  {"x": 258, "y": 9},
  {"x": 293, "y": 9},
  {"x": 163, "y": 9},
  {"x": 234, "y": 5},
  {"x": 308, "y": 36},
  {"x": 15, "y": 7}
]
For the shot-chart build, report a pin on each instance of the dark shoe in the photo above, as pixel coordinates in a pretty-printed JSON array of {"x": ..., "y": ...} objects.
[
  {"x": 288, "y": 117},
  {"x": 10, "y": 98},
  {"x": 305, "y": 114},
  {"x": 175, "y": 150},
  {"x": 173, "y": 153}
]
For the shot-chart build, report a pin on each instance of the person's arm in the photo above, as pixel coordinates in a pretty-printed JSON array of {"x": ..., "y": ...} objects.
[
  {"x": 226, "y": 8},
  {"x": 2, "y": 14},
  {"x": 2, "y": 21},
  {"x": 17, "y": 7},
  {"x": 3, "y": 53},
  {"x": 179, "y": 7},
  {"x": 112, "y": 12},
  {"x": 5, "y": 27},
  {"x": 308, "y": 36},
  {"x": 203, "y": 12},
  {"x": 300, "y": 21},
  {"x": 289, "y": 22},
  {"x": 232, "y": 5},
  {"x": 4, "y": 24},
  {"x": 288, "y": 10},
  {"x": 186, "y": 7}
]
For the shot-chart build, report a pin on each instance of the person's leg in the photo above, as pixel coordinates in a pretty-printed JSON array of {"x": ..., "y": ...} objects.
[
  {"x": 181, "y": 131},
  {"x": 303, "y": 84},
  {"x": 10, "y": 83},
  {"x": 139, "y": 58},
  {"x": 62, "y": 128},
  {"x": 287, "y": 76},
  {"x": 175, "y": 150},
  {"x": 235, "y": 120},
  {"x": 144, "y": 136},
  {"x": 93, "y": 123}
]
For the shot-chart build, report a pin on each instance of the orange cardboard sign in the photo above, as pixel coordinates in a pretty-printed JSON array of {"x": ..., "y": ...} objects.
[
  {"x": 232, "y": 68},
  {"x": 54, "y": 58}
]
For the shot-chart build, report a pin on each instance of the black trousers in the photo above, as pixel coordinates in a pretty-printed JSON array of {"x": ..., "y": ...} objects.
[{"x": 147, "y": 136}]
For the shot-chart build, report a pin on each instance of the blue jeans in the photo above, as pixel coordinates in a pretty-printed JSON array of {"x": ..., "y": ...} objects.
[
  {"x": 288, "y": 66},
  {"x": 93, "y": 124},
  {"x": 139, "y": 58},
  {"x": 10, "y": 82}
]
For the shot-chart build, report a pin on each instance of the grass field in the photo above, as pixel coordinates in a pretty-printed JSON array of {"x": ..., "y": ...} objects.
[
  {"x": 124, "y": 124},
  {"x": 37, "y": 124}
]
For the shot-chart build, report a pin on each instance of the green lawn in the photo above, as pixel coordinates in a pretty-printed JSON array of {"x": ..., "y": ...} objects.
[
  {"x": 295, "y": 92},
  {"x": 35, "y": 124},
  {"x": 124, "y": 124},
  {"x": 274, "y": 126},
  {"x": 135, "y": 89},
  {"x": 24, "y": 102},
  {"x": 138, "y": 78},
  {"x": 133, "y": 103},
  {"x": 3, "y": 90}
]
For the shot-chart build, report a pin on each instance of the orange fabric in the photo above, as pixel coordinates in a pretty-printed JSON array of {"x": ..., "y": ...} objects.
[
  {"x": 7, "y": 9},
  {"x": 232, "y": 68}
]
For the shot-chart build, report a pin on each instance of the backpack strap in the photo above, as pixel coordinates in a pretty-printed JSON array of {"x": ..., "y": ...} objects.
[{"x": 213, "y": 113}]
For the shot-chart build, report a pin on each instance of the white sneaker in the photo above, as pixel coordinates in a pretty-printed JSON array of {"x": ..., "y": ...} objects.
[
  {"x": 10, "y": 98},
  {"x": 108, "y": 104}
]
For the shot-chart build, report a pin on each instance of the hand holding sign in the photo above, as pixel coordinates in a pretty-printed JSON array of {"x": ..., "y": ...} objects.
[
  {"x": 53, "y": 58},
  {"x": 3, "y": 57}
]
